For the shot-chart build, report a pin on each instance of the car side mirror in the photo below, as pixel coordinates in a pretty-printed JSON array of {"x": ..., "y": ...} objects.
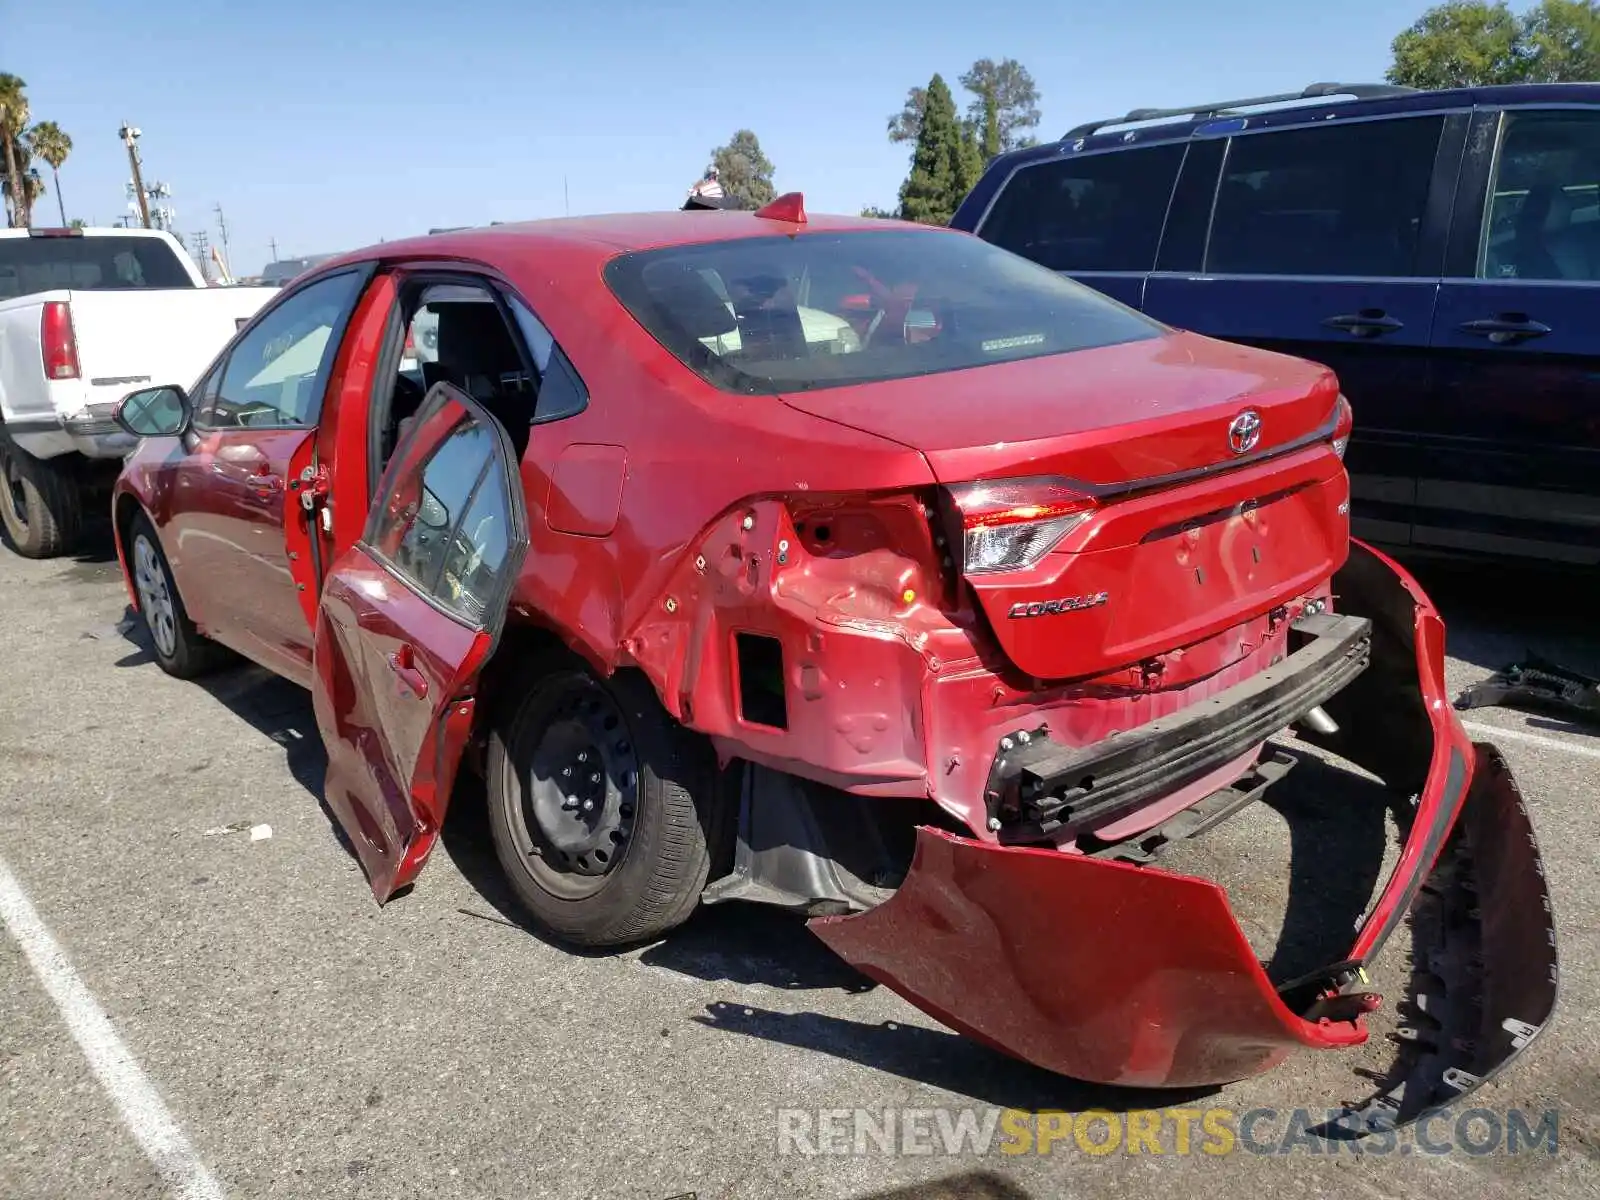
[{"x": 154, "y": 412}]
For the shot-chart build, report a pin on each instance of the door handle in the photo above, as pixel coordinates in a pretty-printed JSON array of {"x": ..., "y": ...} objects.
[
  {"x": 1368, "y": 323},
  {"x": 1505, "y": 329},
  {"x": 264, "y": 483},
  {"x": 403, "y": 663}
]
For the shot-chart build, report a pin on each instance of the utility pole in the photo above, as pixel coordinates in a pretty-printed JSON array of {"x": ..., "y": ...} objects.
[
  {"x": 202, "y": 250},
  {"x": 273, "y": 242},
  {"x": 130, "y": 138},
  {"x": 222, "y": 227}
]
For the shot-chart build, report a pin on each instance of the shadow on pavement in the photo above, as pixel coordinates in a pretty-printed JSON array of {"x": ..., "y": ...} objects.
[
  {"x": 737, "y": 943},
  {"x": 937, "y": 1058},
  {"x": 1496, "y": 612},
  {"x": 97, "y": 544},
  {"x": 969, "y": 1185},
  {"x": 1338, "y": 829},
  {"x": 268, "y": 703}
]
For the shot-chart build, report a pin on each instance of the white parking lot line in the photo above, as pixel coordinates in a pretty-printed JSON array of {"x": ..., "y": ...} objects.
[
  {"x": 1532, "y": 739},
  {"x": 136, "y": 1098}
]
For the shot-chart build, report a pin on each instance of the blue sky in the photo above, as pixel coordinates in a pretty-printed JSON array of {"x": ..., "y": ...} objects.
[{"x": 333, "y": 125}]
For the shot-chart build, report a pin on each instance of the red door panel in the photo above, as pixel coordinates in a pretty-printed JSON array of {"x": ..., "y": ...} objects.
[
  {"x": 407, "y": 618},
  {"x": 337, "y": 455},
  {"x": 393, "y": 675},
  {"x": 227, "y": 534}
]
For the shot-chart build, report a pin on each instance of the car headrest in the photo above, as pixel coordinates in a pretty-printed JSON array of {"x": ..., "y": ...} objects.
[
  {"x": 685, "y": 299},
  {"x": 473, "y": 335}
]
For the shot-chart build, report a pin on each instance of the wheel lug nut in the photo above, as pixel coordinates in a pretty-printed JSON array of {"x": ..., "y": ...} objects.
[
  {"x": 583, "y": 756},
  {"x": 566, "y": 771},
  {"x": 594, "y": 779},
  {"x": 588, "y": 806}
]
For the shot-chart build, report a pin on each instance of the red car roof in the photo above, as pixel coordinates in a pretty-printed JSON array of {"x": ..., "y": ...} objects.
[{"x": 612, "y": 234}]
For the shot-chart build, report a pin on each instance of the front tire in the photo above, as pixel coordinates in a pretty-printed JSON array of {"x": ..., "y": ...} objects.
[
  {"x": 180, "y": 649},
  {"x": 41, "y": 503},
  {"x": 601, "y": 808}
]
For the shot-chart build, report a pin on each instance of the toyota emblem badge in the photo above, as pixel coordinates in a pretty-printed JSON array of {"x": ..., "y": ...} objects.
[{"x": 1244, "y": 432}]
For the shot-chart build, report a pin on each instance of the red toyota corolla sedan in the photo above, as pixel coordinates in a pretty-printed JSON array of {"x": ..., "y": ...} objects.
[{"x": 859, "y": 568}]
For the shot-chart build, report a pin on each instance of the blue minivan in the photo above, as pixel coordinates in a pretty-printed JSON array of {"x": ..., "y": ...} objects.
[{"x": 1440, "y": 250}]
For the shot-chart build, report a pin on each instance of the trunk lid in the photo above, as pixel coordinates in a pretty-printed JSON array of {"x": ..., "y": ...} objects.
[
  {"x": 1113, "y": 415},
  {"x": 1178, "y": 521}
]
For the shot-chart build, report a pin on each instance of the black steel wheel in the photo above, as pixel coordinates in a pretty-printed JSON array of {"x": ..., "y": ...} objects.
[{"x": 600, "y": 806}]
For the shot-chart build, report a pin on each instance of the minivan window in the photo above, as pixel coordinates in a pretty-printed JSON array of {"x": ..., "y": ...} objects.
[
  {"x": 1336, "y": 199},
  {"x": 29, "y": 265},
  {"x": 776, "y": 314},
  {"x": 1098, "y": 212},
  {"x": 1543, "y": 219}
]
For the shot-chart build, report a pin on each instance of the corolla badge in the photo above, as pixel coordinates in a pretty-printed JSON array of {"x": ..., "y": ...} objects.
[
  {"x": 1049, "y": 608},
  {"x": 1244, "y": 432}
]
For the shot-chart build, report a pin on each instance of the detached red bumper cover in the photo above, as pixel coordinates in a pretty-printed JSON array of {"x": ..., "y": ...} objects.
[{"x": 1131, "y": 975}]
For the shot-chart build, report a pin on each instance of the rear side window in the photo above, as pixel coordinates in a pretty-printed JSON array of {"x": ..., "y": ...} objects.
[
  {"x": 45, "y": 264},
  {"x": 1101, "y": 212},
  {"x": 1543, "y": 220},
  {"x": 1343, "y": 200},
  {"x": 777, "y": 314}
]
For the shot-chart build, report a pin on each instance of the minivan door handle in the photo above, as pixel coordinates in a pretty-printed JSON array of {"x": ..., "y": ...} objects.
[
  {"x": 1505, "y": 329},
  {"x": 1368, "y": 323}
]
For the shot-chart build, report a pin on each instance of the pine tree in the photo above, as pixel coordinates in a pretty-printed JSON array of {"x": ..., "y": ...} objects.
[{"x": 933, "y": 189}]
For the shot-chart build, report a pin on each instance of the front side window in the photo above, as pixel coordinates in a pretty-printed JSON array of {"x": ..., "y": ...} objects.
[
  {"x": 276, "y": 373},
  {"x": 1339, "y": 199},
  {"x": 768, "y": 315},
  {"x": 1543, "y": 219},
  {"x": 1100, "y": 212},
  {"x": 445, "y": 525}
]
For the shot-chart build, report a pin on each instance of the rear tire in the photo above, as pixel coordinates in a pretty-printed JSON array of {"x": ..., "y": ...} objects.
[
  {"x": 180, "y": 649},
  {"x": 601, "y": 808},
  {"x": 41, "y": 503}
]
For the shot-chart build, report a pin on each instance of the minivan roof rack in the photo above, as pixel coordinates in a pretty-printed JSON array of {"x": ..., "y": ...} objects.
[{"x": 1317, "y": 91}]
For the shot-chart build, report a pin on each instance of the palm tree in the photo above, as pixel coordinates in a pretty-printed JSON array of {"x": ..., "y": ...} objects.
[
  {"x": 32, "y": 188},
  {"x": 51, "y": 143},
  {"x": 13, "y": 120}
]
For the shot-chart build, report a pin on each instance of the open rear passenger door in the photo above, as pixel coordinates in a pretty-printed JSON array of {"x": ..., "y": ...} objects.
[{"x": 407, "y": 618}]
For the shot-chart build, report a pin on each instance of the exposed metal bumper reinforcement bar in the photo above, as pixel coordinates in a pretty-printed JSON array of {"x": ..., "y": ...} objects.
[{"x": 1037, "y": 787}]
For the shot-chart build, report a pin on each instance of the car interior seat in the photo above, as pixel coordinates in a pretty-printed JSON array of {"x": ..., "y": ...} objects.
[
  {"x": 476, "y": 353},
  {"x": 768, "y": 320},
  {"x": 683, "y": 296},
  {"x": 1528, "y": 253},
  {"x": 1572, "y": 240}
]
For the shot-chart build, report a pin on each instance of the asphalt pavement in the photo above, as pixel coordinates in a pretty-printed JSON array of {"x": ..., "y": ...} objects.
[{"x": 190, "y": 1006}]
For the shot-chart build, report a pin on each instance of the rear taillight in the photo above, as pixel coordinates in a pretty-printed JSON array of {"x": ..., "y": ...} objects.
[
  {"x": 1344, "y": 422},
  {"x": 409, "y": 350},
  {"x": 1010, "y": 525},
  {"x": 56, "y": 341}
]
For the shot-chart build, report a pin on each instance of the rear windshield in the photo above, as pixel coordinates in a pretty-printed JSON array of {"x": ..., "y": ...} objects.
[
  {"x": 787, "y": 314},
  {"x": 87, "y": 264}
]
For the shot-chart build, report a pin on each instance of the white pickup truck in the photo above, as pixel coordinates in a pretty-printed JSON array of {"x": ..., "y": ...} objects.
[{"x": 86, "y": 316}]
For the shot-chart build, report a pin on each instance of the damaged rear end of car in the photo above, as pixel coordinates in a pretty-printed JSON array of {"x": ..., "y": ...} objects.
[{"x": 961, "y": 720}]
